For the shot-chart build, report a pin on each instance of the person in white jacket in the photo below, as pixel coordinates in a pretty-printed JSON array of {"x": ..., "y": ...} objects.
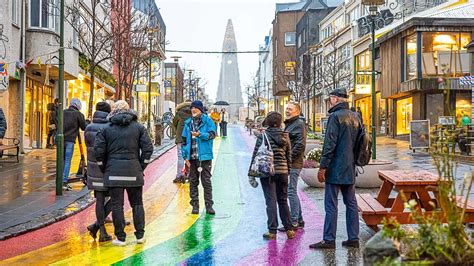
[{"x": 223, "y": 123}]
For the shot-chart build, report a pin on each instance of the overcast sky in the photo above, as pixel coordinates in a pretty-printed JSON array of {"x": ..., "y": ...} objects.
[{"x": 201, "y": 24}]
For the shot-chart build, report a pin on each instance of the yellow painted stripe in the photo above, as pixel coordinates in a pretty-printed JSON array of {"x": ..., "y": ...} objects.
[{"x": 166, "y": 204}]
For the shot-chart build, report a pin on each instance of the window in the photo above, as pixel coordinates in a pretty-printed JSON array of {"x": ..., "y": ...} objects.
[
  {"x": 299, "y": 40},
  {"x": 44, "y": 14},
  {"x": 404, "y": 115},
  {"x": 364, "y": 11},
  {"x": 444, "y": 54},
  {"x": 363, "y": 72},
  {"x": 326, "y": 32},
  {"x": 339, "y": 23},
  {"x": 15, "y": 11},
  {"x": 410, "y": 57},
  {"x": 354, "y": 14},
  {"x": 290, "y": 38}
]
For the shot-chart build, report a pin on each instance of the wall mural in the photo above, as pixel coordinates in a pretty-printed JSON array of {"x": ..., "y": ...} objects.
[
  {"x": 3, "y": 65},
  {"x": 3, "y": 46}
]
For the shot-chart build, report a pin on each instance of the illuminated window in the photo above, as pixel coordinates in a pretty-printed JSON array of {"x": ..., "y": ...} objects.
[
  {"x": 404, "y": 115},
  {"x": 410, "y": 57}
]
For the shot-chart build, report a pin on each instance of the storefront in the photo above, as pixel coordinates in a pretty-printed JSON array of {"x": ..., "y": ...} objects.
[
  {"x": 37, "y": 97},
  {"x": 404, "y": 115}
]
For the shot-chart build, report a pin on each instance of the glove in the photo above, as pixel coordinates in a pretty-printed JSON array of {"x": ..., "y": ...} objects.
[{"x": 253, "y": 182}]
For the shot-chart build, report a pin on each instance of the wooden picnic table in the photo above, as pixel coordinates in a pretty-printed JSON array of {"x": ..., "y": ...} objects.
[{"x": 408, "y": 185}]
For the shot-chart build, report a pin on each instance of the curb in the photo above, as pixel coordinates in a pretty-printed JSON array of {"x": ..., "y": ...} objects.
[{"x": 75, "y": 207}]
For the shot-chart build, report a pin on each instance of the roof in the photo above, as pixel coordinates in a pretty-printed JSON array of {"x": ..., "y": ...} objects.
[
  {"x": 286, "y": 7},
  {"x": 451, "y": 10}
]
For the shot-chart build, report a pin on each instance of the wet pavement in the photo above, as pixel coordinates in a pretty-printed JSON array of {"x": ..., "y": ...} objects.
[
  {"x": 233, "y": 236},
  {"x": 27, "y": 192}
]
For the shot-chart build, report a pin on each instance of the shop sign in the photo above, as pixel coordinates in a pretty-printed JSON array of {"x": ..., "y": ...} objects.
[
  {"x": 3, "y": 76},
  {"x": 446, "y": 120},
  {"x": 140, "y": 88},
  {"x": 383, "y": 18},
  {"x": 419, "y": 134},
  {"x": 363, "y": 89}
]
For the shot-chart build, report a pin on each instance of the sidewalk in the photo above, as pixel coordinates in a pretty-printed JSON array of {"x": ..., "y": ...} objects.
[{"x": 27, "y": 191}]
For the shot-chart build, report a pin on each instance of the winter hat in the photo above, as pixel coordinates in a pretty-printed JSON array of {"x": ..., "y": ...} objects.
[
  {"x": 76, "y": 103},
  {"x": 339, "y": 93},
  {"x": 198, "y": 105},
  {"x": 121, "y": 105},
  {"x": 111, "y": 103},
  {"x": 103, "y": 106}
]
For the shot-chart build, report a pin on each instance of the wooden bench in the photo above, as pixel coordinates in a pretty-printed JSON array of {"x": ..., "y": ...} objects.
[
  {"x": 372, "y": 211},
  {"x": 469, "y": 214},
  {"x": 14, "y": 146}
]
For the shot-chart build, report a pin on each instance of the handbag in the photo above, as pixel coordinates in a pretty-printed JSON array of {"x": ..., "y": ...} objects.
[{"x": 262, "y": 165}]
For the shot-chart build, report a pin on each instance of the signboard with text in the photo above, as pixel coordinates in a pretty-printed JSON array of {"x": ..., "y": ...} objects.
[{"x": 419, "y": 134}]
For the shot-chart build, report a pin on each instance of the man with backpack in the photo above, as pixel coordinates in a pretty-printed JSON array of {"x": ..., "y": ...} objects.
[{"x": 338, "y": 170}]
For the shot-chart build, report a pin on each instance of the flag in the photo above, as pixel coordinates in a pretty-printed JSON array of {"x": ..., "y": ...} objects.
[
  {"x": 17, "y": 73},
  {"x": 39, "y": 61},
  {"x": 28, "y": 63}
]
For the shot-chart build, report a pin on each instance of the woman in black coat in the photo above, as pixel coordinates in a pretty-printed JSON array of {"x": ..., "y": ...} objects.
[
  {"x": 123, "y": 150},
  {"x": 95, "y": 177},
  {"x": 275, "y": 188}
]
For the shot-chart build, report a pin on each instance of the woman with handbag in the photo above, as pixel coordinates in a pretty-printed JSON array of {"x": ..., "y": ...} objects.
[{"x": 271, "y": 162}]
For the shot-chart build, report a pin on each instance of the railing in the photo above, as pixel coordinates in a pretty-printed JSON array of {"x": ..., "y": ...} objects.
[{"x": 433, "y": 83}]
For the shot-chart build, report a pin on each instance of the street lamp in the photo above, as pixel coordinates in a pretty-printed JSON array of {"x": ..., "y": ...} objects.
[
  {"x": 373, "y": 6},
  {"x": 176, "y": 58},
  {"x": 150, "y": 39}
]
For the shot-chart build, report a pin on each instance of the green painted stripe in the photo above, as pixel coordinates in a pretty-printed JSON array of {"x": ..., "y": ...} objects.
[{"x": 207, "y": 230}]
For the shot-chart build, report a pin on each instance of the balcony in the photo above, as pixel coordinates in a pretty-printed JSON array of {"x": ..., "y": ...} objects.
[{"x": 432, "y": 84}]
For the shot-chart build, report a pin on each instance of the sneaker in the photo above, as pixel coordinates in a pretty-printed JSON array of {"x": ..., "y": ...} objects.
[
  {"x": 300, "y": 225},
  {"x": 119, "y": 243},
  {"x": 294, "y": 227},
  {"x": 177, "y": 180},
  {"x": 269, "y": 236},
  {"x": 195, "y": 210},
  {"x": 351, "y": 243},
  {"x": 290, "y": 234},
  {"x": 141, "y": 240},
  {"x": 210, "y": 210},
  {"x": 324, "y": 245}
]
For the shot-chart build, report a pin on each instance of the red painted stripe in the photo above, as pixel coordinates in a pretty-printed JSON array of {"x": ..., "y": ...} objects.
[{"x": 76, "y": 224}]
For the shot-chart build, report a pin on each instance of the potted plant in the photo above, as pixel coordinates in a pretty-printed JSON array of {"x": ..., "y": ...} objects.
[{"x": 310, "y": 168}]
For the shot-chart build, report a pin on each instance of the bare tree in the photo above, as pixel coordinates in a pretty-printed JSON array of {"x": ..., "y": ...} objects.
[
  {"x": 336, "y": 69},
  {"x": 295, "y": 75},
  {"x": 90, "y": 20}
]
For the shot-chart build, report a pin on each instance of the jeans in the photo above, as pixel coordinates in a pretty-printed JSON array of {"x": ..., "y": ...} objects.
[
  {"x": 102, "y": 208},
  {"x": 136, "y": 201},
  {"x": 180, "y": 166},
  {"x": 68, "y": 152},
  {"x": 295, "y": 205},
  {"x": 205, "y": 179},
  {"x": 275, "y": 191},
  {"x": 330, "y": 205}
]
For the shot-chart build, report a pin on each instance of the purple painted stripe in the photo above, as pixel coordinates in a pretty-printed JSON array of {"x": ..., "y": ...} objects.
[{"x": 290, "y": 252}]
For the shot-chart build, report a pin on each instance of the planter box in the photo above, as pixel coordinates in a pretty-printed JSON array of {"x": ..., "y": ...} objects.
[
  {"x": 370, "y": 176},
  {"x": 310, "y": 177},
  {"x": 312, "y": 145}
]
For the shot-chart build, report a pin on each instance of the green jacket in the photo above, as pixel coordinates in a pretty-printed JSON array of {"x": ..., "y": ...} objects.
[
  {"x": 465, "y": 121},
  {"x": 183, "y": 112}
]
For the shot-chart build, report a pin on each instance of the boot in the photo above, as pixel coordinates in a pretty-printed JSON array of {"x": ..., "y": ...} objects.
[
  {"x": 195, "y": 209},
  {"x": 210, "y": 210},
  {"x": 93, "y": 228},
  {"x": 104, "y": 237}
]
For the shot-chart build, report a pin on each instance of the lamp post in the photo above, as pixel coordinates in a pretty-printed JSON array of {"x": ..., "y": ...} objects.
[
  {"x": 373, "y": 6},
  {"x": 60, "y": 133},
  {"x": 176, "y": 58},
  {"x": 150, "y": 39}
]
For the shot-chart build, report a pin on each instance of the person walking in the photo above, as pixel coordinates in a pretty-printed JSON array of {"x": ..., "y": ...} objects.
[
  {"x": 52, "y": 125},
  {"x": 3, "y": 128},
  {"x": 183, "y": 112},
  {"x": 216, "y": 117},
  {"x": 223, "y": 123},
  {"x": 95, "y": 177},
  {"x": 275, "y": 188},
  {"x": 198, "y": 137},
  {"x": 73, "y": 121},
  {"x": 123, "y": 150},
  {"x": 338, "y": 171},
  {"x": 296, "y": 129}
]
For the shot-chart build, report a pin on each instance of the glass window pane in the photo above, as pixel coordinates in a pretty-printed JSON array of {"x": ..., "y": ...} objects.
[
  {"x": 411, "y": 57},
  {"x": 34, "y": 13},
  {"x": 44, "y": 14},
  {"x": 404, "y": 115}
]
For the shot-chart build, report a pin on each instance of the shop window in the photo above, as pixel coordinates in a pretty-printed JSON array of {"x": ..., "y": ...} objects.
[
  {"x": 463, "y": 106},
  {"x": 44, "y": 14},
  {"x": 363, "y": 69},
  {"x": 444, "y": 54},
  {"x": 410, "y": 57},
  {"x": 404, "y": 109},
  {"x": 434, "y": 107}
]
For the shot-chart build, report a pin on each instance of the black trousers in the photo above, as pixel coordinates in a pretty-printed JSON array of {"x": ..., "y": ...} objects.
[
  {"x": 205, "y": 176},
  {"x": 275, "y": 191},
  {"x": 136, "y": 201},
  {"x": 102, "y": 208},
  {"x": 50, "y": 139},
  {"x": 223, "y": 129}
]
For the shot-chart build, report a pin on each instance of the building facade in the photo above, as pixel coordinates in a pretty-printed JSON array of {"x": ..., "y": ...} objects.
[{"x": 174, "y": 85}]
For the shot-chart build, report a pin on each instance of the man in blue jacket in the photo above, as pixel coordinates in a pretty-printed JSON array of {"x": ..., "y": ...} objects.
[{"x": 198, "y": 137}]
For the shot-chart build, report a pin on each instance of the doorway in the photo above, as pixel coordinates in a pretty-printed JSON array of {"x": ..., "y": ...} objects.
[{"x": 37, "y": 97}]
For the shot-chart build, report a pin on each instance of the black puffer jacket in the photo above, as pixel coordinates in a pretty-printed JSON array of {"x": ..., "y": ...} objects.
[
  {"x": 338, "y": 150},
  {"x": 73, "y": 121},
  {"x": 183, "y": 112},
  {"x": 95, "y": 177},
  {"x": 3, "y": 124},
  {"x": 124, "y": 149},
  {"x": 280, "y": 143},
  {"x": 297, "y": 132}
]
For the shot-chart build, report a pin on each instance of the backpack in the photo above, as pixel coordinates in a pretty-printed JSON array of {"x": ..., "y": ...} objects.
[
  {"x": 262, "y": 165},
  {"x": 362, "y": 148}
]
